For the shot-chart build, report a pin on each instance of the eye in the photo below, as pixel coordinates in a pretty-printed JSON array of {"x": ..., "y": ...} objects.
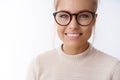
[
  {"x": 65, "y": 16},
  {"x": 84, "y": 16}
]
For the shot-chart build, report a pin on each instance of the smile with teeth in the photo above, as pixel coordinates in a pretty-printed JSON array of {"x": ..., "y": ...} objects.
[{"x": 72, "y": 35}]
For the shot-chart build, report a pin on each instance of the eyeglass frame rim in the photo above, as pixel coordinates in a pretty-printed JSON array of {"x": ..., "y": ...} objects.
[{"x": 74, "y": 14}]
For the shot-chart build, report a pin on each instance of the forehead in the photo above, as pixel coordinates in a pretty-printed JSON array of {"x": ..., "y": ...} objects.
[{"x": 76, "y": 5}]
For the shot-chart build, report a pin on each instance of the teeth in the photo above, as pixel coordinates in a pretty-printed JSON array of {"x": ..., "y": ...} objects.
[{"x": 73, "y": 35}]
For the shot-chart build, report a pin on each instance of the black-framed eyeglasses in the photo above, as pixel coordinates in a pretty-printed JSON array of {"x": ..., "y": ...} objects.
[{"x": 83, "y": 18}]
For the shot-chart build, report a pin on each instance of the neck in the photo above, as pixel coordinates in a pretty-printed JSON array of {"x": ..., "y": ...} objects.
[{"x": 74, "y": 50}]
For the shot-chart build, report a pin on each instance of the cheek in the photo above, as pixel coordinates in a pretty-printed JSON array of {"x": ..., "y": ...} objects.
[
  {"x": 60, "y": 31},
  {"x": 88, "y": 32},
  {"x": 89, "y": 29}
]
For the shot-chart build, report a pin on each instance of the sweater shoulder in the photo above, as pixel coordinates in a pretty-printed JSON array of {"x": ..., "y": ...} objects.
[
  {"x": 46, "y": 58},
  {"x": 48, "y": 55},
  {"x": 40, "y": 63},
  {"x": 105, "y": 61},
  {"x": 105, "y": 57}
]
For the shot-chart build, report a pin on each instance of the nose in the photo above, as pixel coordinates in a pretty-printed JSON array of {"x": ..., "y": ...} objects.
[{"x": 73, "y": 24}]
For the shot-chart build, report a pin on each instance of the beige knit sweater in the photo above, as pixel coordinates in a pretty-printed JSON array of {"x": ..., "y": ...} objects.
[{"x": 92, "y": 64}]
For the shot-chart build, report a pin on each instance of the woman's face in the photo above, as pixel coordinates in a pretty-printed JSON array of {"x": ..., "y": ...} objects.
[{"x": 75, "y": 35}]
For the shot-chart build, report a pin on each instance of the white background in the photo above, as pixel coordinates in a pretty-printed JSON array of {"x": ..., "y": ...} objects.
[{"x": 27, "y": 29}]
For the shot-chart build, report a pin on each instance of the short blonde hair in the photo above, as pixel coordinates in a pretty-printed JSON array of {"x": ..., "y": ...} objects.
[{"x": 56, "y": 4}]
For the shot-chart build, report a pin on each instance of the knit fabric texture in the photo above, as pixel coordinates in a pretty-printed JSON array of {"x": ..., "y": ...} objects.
[{"x": 91, "y": 64}]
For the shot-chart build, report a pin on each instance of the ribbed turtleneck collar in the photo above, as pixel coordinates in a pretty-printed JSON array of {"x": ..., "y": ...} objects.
[{"x": 78, "y": 58}]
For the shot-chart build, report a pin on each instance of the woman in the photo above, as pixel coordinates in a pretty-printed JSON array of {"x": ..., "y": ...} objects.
[{"x": 76, "y": 58}]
